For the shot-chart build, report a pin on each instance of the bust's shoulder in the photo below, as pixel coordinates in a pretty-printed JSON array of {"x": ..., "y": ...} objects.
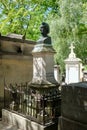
[{"x": 46, "y": 40}]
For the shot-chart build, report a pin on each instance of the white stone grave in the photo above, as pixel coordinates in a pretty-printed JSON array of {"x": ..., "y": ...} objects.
[{"x": 73, "y": 67}]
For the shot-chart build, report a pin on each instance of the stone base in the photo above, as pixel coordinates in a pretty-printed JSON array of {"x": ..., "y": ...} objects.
[
  {"x": 5, "y": 126},
  {"x": 67, "y": 124},
  {"x": 24, "y": 123}
]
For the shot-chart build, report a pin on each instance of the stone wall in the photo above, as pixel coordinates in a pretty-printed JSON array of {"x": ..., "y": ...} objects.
[
  {"x": 24, "y": 123},
  {"x": 74, "y": 107},
  {"x": 15, "y": 62}
]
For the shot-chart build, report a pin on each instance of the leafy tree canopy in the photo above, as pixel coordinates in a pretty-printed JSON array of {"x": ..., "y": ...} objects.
[
  {"x": 67, "y": 20},
  {"x": 69, "y": 25},
  {"x": 24, "y": 16}
]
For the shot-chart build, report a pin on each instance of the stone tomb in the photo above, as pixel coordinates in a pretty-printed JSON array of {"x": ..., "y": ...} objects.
[
  {"x": 22, "y": 123},
  {"x": 45, "y": 97},
  {"x": 74, "y": 107}
]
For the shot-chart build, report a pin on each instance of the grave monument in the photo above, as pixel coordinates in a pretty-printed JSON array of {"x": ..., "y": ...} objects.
[
  {"x": 74, "y": 107},
  {"x": 39, "y": 101},
  {"x": 73, "y": 67},
  {"x": 43, "y": 82},
  {"x": 74, "y": 97},
  {"x": 43, "y": 57}
]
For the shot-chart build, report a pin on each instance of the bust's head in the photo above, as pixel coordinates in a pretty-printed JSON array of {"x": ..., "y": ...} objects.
[{"x": 44, "y": 28}]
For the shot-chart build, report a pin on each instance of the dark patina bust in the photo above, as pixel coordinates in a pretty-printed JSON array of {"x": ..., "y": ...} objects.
[{"x": 44, "y": 29}]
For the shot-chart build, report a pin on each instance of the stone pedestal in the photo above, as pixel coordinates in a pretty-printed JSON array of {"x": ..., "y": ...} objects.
[
  {"x": 44, "y": 84},
  {"x": 73, "y": 68},
  {"x": 23, "y": 123},
  {"x": 43, "y": 63},
  {"x": 40, "y": 99}
]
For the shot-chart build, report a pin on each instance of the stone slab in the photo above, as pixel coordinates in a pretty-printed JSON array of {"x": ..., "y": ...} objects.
[
  {"x": 5, "y": 126},
  {"x": 23, "y": 123},
  {"x": 74, "y": 101},
  {"x": 67, "y": 124}
]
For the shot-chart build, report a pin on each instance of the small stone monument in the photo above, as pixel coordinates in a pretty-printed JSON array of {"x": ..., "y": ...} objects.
[
  {"x": 73, "y": 67},
  {"x": 43, "y": 57},
  {"x": 43, "y": 81}
]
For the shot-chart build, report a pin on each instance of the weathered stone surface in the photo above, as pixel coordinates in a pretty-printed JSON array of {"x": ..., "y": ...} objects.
[
  {"x": 43, "y": 62},
  {"x": 40, "y": 83},
  {"x": 73, "y": 68},
  {"x": 23, "y": 123},
  {"x": 67, "y": 124},
  {"x": 6, "y": 126},
  {"x": 15, "y": 62},
  {"x": 74, "y": 102},
  {"x": 17, "y": 46},
  {"x": 13, "y": 35},
  {"x": 43, "y": 48}
]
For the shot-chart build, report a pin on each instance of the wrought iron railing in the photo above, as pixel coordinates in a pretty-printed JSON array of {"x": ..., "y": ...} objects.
[{"x": 33, "y": 104}]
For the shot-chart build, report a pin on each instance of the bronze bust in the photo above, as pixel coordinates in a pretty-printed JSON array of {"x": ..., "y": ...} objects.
[{"x": 44, "y": 29}]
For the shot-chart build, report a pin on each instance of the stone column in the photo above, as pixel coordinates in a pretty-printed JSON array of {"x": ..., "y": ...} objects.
[
  {"x": 43, "y": 63},
  {"x": 73, "y": 67}
]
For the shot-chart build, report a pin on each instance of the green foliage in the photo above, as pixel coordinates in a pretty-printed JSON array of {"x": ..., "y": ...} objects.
[
  {"x": 69, "y": 25},
  {"x": 24, "y": 16},
  {"x": 67, "y": 20},
  {"x": 85, "y": 67}
]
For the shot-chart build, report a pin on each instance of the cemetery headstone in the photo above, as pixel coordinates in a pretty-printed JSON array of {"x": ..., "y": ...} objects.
[
  {"x": 73, "y": 67},
  {"x": 74, "y": 107}
]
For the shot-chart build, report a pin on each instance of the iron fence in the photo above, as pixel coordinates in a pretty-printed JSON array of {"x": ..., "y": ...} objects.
[{"x": 40, "y": 106}]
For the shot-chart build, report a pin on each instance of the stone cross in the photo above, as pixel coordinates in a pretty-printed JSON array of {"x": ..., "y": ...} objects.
[{"x": 72, "y": 47}]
